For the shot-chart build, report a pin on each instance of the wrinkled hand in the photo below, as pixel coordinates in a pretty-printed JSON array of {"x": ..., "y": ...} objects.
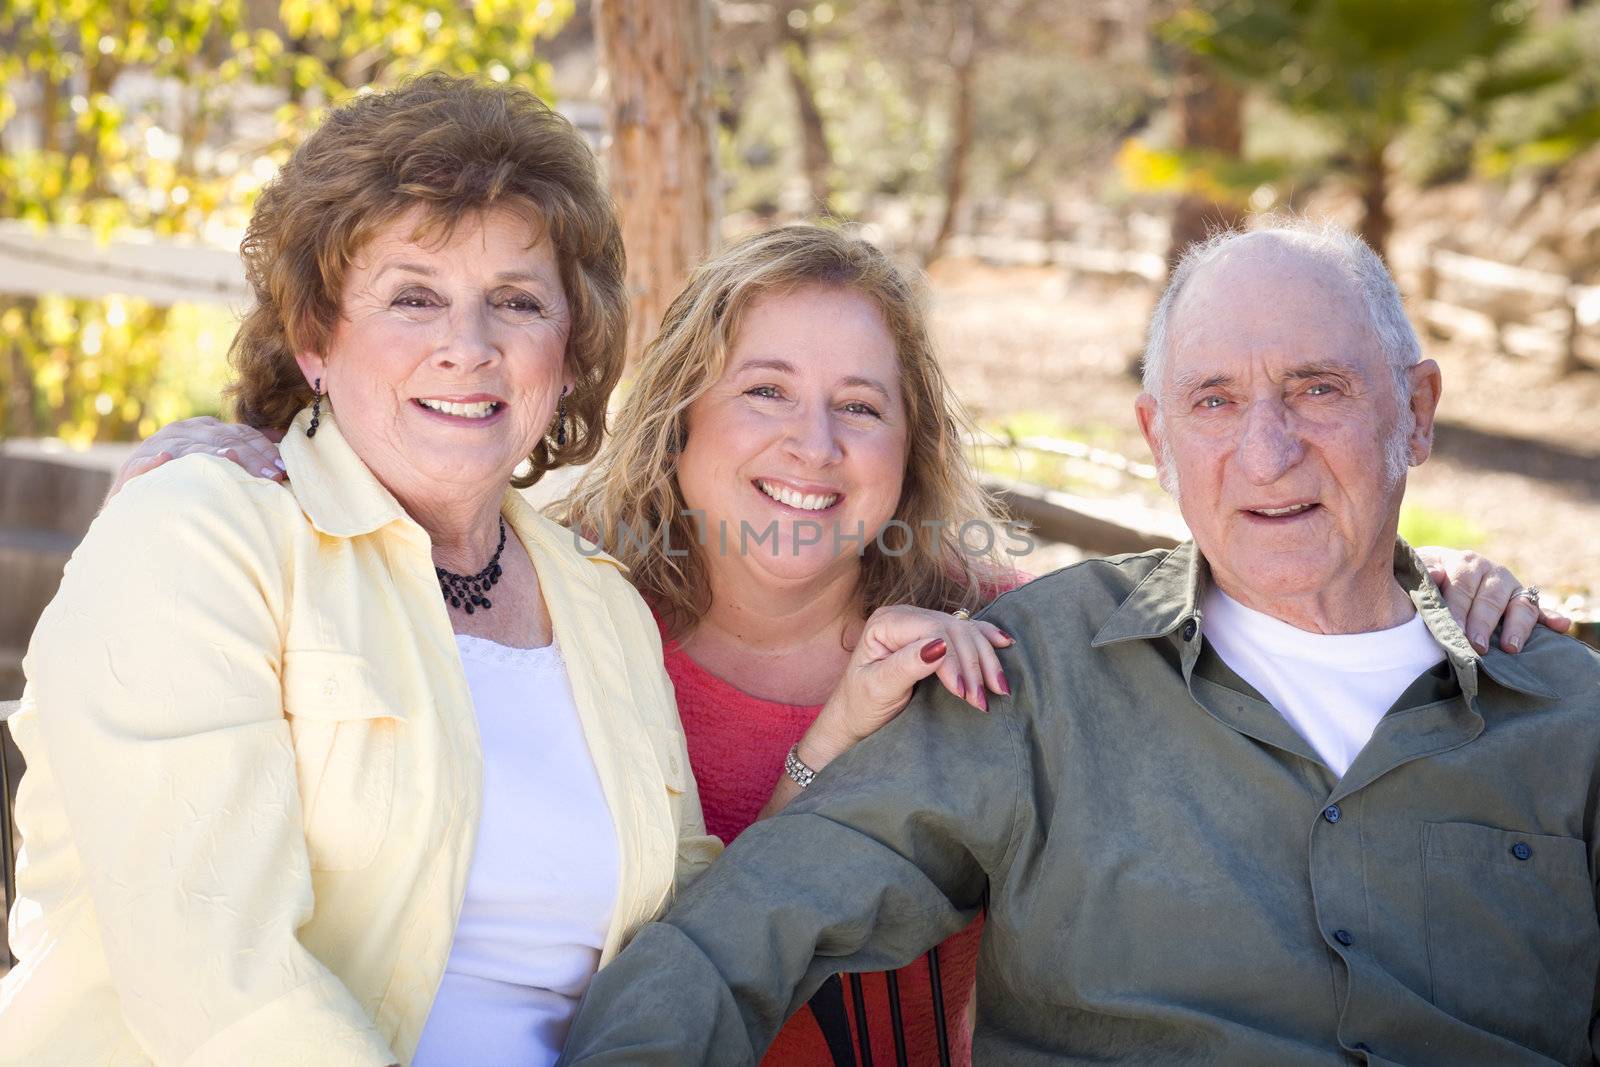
[
  {"x": 900, "y": 646},
  {"x": 254, "y": 450},
  {"x": 1480, "y": 593}
]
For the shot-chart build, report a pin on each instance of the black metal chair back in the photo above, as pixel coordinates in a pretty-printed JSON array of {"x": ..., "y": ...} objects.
[
  {"x": 8, "y": 851},
  {"x": 891, "y": 979}
]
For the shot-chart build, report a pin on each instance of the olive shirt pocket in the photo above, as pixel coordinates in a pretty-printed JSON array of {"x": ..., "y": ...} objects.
[
  {"x": 1513, "y": 941},
  {"x": 343, "y": 723}
]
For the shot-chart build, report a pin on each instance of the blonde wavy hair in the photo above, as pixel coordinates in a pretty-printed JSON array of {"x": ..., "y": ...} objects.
[{"x": 633, "y": 485}]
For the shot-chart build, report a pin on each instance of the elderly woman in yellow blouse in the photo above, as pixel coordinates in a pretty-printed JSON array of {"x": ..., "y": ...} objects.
[{"x": 298, "y": 762}]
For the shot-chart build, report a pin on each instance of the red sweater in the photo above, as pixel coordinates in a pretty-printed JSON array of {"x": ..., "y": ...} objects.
[{"x": 736, "y": 746}]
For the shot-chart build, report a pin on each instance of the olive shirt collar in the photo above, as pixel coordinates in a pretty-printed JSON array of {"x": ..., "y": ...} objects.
[
  {"x": 1166, "y": 605},
  {"x": 1171, "y": 596}
]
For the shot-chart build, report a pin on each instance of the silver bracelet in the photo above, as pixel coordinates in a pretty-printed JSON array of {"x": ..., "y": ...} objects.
[{"x": 797, "y": 770}]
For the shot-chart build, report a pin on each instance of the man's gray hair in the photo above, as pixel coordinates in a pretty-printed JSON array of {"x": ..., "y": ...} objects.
[{"x": 1325, "y": 242}]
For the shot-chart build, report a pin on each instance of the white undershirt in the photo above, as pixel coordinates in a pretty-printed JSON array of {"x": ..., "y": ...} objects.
[
  {"x": 544, "y": 874},
  {"x": 1332, "y": 688}
]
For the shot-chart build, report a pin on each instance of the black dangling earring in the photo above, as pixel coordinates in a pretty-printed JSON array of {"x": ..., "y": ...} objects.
[
  {"x": 561, "y": 418},
  {"x": 316, "y": 407}
]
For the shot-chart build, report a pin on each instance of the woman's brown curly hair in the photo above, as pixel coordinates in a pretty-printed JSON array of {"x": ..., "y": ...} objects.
[{"x": 455, "y": 147}]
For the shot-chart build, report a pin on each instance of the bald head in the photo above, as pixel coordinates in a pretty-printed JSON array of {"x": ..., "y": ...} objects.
[{"x": 1310, "y": 260}]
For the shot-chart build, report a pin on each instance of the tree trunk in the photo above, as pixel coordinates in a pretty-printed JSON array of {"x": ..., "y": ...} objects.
[
  {"x": 662, "y": 162},
  {"x": 964, "y": 58},
  {"x": 816, "y": 157},
  {"x": 49, "y": 113},
  {"x": 1210, "y": 114},
  {"x": 1373, "y": 174},
  {"x": 21, "y": 417}
]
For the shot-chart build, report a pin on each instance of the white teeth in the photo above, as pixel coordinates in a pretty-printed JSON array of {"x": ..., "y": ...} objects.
[
  {"x": 805, "y": 502},
  {"x": 480, "y": 410},
  {"x": 1279, "y": 512}
]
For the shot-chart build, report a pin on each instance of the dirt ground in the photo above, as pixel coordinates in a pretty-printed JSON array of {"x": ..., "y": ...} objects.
[{"x": 1516, "y": 468}]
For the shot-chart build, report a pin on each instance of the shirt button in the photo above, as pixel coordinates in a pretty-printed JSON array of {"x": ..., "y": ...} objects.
[
  {"x": 1521, "y": 850},
  {"x": 1332, "y": 813},
  {"x": 330, "y": 688},
  {"x": 1189, "y": 630},
  {"x": 1344, "y": 937}
]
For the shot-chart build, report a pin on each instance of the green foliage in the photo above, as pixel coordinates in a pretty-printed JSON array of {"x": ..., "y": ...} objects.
[
  {"x": 169, "y": 116},
  {"x": 1214, "y": 175},
  {"x": 1362, "y": 66},
  {"x": 1429, "y": 526},
  {"x": 1558, "y": 114},
  {"x": 1456, "y": 83},
  {"x": 1046, "y": 104}
]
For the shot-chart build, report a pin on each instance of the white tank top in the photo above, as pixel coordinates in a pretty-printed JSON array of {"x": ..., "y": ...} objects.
[{"x": 544, "y": 875}]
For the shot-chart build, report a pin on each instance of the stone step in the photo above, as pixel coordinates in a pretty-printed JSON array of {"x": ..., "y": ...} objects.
[
  {"x": 31, "y": 562},
  {"x": 10, "y": 673},
  {"x": 44, "y": 485}
]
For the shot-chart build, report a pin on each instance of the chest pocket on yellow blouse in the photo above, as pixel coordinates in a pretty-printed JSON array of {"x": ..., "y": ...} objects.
[{"x": 345, "y": 727}]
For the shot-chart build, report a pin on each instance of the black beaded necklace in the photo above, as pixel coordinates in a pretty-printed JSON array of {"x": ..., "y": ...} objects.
[{"x": 466, "y": 590}]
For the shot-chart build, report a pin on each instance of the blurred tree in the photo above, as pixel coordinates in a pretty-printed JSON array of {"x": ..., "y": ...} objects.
[
  {"x": 169, "y": 117},
  {"x": 968, "y": 35},
  {"x": 1362, "y": 67},
  {"x": 926, "y": 101},
  {"x": 657, "y": 63},
  {"x": 1210, "y": 118},
  {"x": 793, "y": 21}
]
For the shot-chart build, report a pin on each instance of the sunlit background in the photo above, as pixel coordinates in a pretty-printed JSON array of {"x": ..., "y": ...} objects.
[{"x": 1042, "y": 161}]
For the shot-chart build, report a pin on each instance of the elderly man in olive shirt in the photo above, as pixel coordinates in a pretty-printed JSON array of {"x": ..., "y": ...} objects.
[{"x": 1364, "y": 867}]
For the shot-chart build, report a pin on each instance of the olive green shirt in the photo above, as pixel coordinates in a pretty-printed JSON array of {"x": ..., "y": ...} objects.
[{"x": 1172, "y": 875}]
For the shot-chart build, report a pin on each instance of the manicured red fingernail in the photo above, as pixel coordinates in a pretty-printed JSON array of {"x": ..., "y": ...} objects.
[
  {"x": 1005, "y": 687},
  {"x": 1009, "y": 639},
  {"x": 932, "y": 650},
  {"x": 983, "y": 699},
  {"x": 961, "y": 686}
]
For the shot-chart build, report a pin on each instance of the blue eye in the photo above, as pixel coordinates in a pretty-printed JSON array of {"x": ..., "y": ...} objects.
[
  {"x": 765, "y": 392},
  {"x": 1212, "y": 403},
  {"x": 1319, "y": 389}
]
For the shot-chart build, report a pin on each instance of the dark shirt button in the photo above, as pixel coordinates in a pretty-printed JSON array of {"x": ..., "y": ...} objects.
[
  {"x": 1189, "y": 630},
  {"x": 1332, "y": 813},
  {"x": 1521, "y": 850},
  {"x": 1344, "y": 937}
]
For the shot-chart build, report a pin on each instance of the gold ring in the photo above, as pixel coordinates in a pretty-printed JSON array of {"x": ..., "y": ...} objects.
[{"x": 962, "y": 613}]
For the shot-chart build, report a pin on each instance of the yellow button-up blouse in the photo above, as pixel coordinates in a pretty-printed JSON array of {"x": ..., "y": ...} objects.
[{"x": 254, "y": 774}]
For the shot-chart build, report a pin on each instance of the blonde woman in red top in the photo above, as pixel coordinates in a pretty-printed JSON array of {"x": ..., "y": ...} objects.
[
  {"x": 789, "y": 430},
  {"x": 788, "y": 486}
]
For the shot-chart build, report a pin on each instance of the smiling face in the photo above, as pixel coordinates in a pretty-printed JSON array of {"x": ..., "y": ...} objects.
[
  {"x": 448, "y": 357},
  {"x": 803, "y": 434},
  {"x": 1277, "y": 418}
]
